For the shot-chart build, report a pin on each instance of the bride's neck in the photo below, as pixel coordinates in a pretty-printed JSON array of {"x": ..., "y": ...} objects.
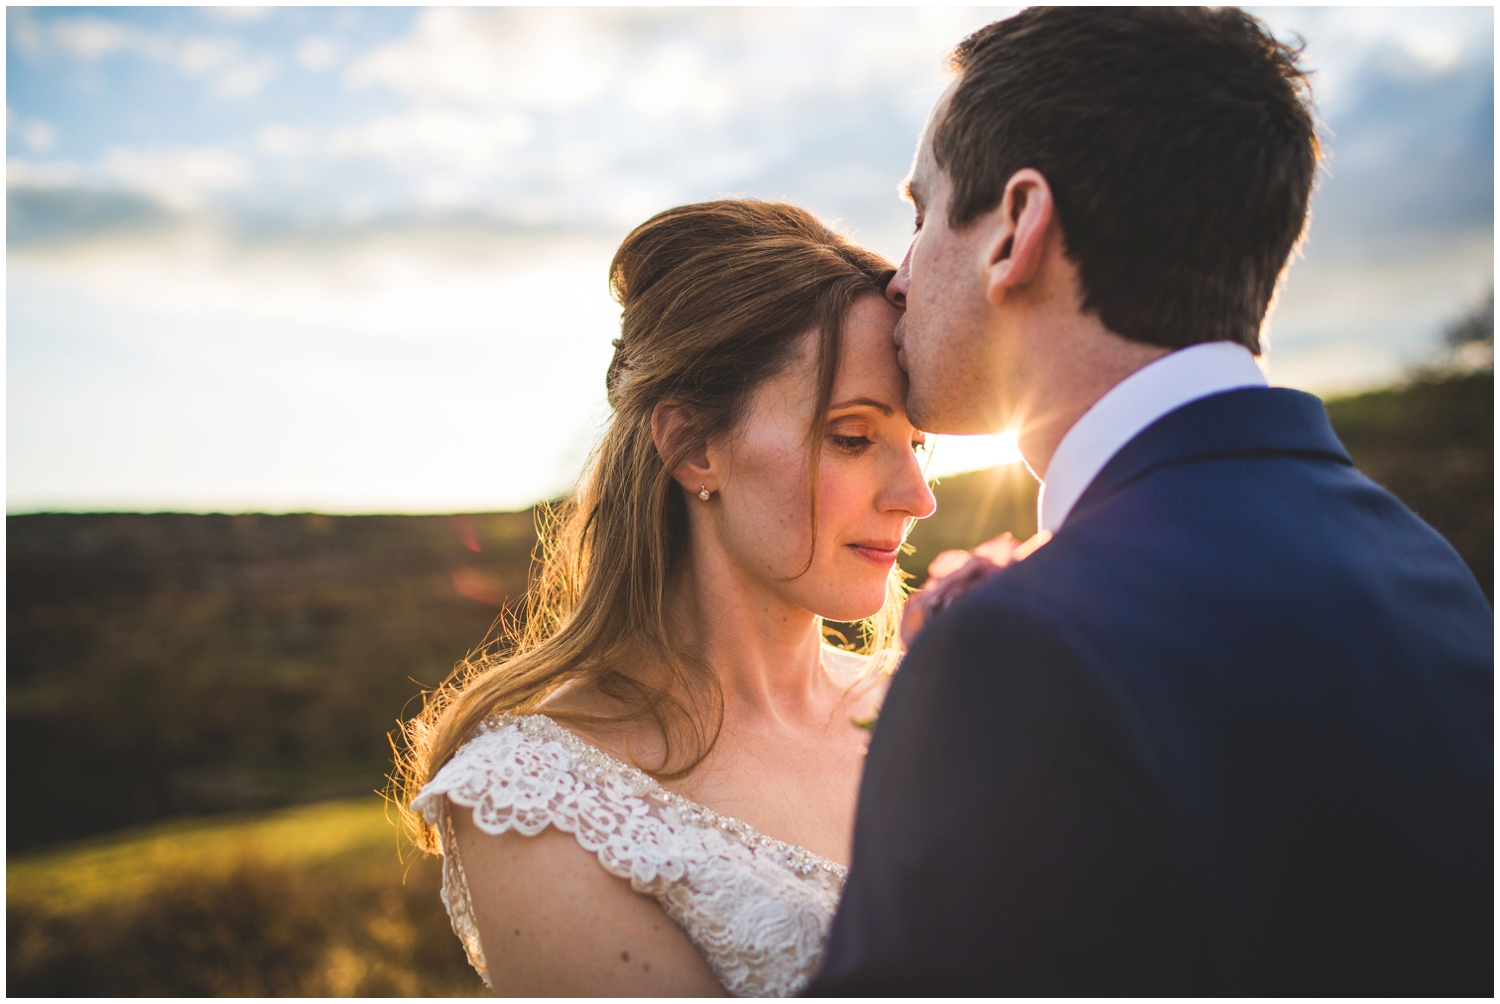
[{"x": 765, "y": 652}]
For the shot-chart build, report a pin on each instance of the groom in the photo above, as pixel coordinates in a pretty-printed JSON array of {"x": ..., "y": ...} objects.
[{"x": 1230, "y": 731}]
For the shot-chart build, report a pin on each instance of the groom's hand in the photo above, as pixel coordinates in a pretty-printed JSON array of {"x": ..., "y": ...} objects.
[{"x": 953, "y": 573}]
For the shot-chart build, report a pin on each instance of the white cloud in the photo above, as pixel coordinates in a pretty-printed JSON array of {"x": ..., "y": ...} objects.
[
  {"x": 42, "y": 174},
  {"x": 278, "y": 140},
  {"x": 1343, "y": 43},
  {"x": 235, "y": 75},
  {"x": 469, "y": 143},
  {"x": 25, "y": 32},
  {"x": 1436, "y": 51},
  {"x": 317, "y": 54},
  {"x": 535, "y": 58},
  {"x": 899, "y": 45},
  {"x": 630, "y": 203},
  {"x": 179, "y": 178},
  {"x": 240, "y": 15},
  {"x": 582, "y": 161},
  {"x": 628, "y": 110},
  {"x": 197, "y": 56},
  {"x": 38, "y": 136},
  {"x": 91, "y": 38},
  {"x": 445, "y": 191},
  {"x": 246, "y": 79},
  {"x": 702, "y": 64},
  {"x": 678, "y": 78}
]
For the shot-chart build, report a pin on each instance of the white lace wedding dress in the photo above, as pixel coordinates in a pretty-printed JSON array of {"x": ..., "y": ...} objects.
[{"x": 757, "y": 908}]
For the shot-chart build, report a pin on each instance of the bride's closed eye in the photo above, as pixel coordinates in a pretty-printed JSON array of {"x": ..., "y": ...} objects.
[
  {"x": 858, "y": 444},
  {"x": 851, "y": 444}
]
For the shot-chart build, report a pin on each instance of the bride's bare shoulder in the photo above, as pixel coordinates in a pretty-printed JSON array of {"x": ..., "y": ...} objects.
[
  {"x": 602, "y": 721},
  {"x": 552, "y": 921}
]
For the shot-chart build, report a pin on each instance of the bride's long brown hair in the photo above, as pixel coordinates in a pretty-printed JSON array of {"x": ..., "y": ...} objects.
[{"x": 715, "y": 297}]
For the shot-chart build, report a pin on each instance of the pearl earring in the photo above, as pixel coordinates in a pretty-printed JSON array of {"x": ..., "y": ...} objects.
[{"x": 704, "y": 493}]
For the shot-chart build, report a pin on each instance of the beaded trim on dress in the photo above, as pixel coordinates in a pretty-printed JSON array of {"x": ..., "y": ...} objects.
[{"x": 757, "y": 908}]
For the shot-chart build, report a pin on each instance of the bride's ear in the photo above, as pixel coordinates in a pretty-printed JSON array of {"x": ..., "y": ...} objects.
[{"x": 670, "y": 422}]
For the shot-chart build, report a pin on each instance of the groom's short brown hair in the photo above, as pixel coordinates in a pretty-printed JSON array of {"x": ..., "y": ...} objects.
[{"x": 1178, "y": 143}]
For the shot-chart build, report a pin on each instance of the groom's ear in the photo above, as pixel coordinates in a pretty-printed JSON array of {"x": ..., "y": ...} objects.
[
  {"x": 671, "y": 426},
  {"x": 1014, "y": 241}
]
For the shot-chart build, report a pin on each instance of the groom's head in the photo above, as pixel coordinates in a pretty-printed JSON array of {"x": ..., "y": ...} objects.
[{"x": 1146, "y": 168}]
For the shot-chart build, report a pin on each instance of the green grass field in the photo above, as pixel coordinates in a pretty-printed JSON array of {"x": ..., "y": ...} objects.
[{"x": 310, "y": 901}]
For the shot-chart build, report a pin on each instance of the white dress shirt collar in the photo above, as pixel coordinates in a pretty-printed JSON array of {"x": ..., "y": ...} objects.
[{"x": 1131, "y": 405}]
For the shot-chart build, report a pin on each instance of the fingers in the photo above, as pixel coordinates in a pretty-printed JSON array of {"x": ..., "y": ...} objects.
[
  {"x": 1000, "y": 550},
  {"x": 914, "y": 616},
  {"x": 952, "y": 573},
  {"x": 1032, "y": 545},
  {"x": 947, "y": 563},
  {"x": 942, "y": 591}
]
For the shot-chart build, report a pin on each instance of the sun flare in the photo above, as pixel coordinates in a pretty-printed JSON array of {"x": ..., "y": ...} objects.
[
  {"x": 956, "y": 454},
  {"x": 1007, "y": 448}
]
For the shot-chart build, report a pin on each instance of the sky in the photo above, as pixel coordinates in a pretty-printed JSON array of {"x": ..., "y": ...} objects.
[{"x": 354, "y": 259}]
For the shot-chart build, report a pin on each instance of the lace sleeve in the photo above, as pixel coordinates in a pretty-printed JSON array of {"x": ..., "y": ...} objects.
[
  {"x": 756, "y": 908},
  {"x": 513, "y": 781}
]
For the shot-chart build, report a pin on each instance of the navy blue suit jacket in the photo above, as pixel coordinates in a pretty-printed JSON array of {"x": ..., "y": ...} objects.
[{"x": 1229, "y": 732}]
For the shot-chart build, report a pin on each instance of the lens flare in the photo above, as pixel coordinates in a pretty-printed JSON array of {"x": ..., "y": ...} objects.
[
  {"x": 957, "y": 454},
  {"x": 1007, "y": 448}
]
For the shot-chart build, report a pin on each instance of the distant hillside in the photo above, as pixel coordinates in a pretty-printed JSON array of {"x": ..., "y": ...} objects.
[
  {"x": 1432, "y": 443},
  {"x": 167, "y": 664}
]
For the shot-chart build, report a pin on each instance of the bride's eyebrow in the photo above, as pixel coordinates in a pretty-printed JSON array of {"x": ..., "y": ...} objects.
[{"x": 868, "y": 402}]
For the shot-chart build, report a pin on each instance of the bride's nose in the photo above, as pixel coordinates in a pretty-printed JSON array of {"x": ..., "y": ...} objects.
[{"x": 909, "y": 491}]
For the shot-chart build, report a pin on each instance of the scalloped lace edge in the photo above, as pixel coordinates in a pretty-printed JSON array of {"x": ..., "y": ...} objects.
[{"x": 435, "y": 801}]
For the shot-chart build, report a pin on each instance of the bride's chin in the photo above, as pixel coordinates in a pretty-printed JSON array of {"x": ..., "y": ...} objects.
[
  {"x": 849, "y": 610},
  {"x": 849, "y": 591}
]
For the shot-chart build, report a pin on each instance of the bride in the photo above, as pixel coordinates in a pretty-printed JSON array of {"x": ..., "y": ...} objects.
[{"x": 652, "y": 790}]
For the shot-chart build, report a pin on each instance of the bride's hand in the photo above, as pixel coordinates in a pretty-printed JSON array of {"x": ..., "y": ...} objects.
[{"x": 953, "y": 573}]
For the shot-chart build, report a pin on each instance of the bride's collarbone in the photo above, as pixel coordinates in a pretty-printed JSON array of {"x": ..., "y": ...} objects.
[
  {"x": 799, "y": 789},
  {"x": 793, "y": 776},
  {"x": 618, "y": 728}
]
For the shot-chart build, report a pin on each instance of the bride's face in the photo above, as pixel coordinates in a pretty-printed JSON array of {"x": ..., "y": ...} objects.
[{"x": 870, "y": 481}]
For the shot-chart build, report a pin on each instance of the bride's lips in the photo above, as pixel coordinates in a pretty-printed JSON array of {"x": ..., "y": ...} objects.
[{"x": 881, "y": 552}]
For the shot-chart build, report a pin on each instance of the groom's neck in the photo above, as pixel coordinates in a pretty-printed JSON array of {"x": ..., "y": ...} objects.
[{"x": 1067, "y": 364}]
